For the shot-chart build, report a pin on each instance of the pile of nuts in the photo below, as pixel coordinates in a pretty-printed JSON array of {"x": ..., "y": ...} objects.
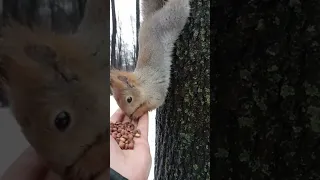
[{"x": 124, "y": 133}]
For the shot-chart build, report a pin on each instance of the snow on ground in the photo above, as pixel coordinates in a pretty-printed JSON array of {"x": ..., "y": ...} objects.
[
  {"x": 152, "y": 132},
  {"x": 9, "y": 129}
]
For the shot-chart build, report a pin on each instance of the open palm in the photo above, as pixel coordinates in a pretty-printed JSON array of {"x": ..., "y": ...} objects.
[{"x": 133, "y": 164}]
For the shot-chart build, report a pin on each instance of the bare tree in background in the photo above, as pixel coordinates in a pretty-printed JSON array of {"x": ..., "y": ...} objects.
[
  {"x": 122, "y": 56},
  {"x": 119, "y": 51},
  {"x": 124, "y": 59},
  {"x": 134, "y": 42},
  {"x": 114, "y": 34},
  {"x": 138, "y": 27}
]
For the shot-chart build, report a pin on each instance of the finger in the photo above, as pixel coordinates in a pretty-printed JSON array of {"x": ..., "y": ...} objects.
[
  {"x": 116, "y": 155},
  {"x": 127, "y": 119},
  {"x": 114, "y": 147},
  {"x": 29, "y": 165},
  {"x": 143, "y": 125},
  {"x": 117, "y": 116}
]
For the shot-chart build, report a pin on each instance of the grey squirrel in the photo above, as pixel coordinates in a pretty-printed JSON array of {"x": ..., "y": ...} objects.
[
  {"x": 58, "y": 92},
  {"x": 145, "y": 88}
]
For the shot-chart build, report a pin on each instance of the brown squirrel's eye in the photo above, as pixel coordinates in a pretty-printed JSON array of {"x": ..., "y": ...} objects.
[
  {"x": 129, "y": 99},
  {"x": 62, "y": 121}
]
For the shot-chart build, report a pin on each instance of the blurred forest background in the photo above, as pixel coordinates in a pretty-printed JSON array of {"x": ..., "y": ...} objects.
[{"x": 63, "y": 16}]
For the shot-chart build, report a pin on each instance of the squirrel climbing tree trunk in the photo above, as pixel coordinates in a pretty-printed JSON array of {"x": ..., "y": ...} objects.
[
  {"x": 266, "y": 75},
  {"x": 183, "y": 122}
]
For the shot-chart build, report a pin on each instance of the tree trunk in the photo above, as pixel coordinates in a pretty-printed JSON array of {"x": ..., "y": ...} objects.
[
  {"x": 114, "y": 34},
  {"x": 137, "y": 29},
  {"x": 183, "y": 123},
  {"x": 267, "y": 104},
  {"x": 120, "y": 58}
]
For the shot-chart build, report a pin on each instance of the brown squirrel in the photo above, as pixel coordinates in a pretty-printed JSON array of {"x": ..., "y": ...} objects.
[
  {"x": 58, "y": 92},
  {"x": 145, "y": 88}
]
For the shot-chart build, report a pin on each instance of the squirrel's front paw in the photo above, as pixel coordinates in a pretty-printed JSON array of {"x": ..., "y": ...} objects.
[
  {"x": 143, "y": 109},
  {"x": 135, "y": 116}
]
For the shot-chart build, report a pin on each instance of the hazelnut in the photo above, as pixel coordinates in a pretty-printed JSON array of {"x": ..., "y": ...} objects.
[
  {"x": 130, "y": 146},
  {"x": 121, "y": 145}
]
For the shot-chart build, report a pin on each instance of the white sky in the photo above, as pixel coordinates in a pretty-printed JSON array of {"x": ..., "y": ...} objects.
[{"x": 124, "y": 10}]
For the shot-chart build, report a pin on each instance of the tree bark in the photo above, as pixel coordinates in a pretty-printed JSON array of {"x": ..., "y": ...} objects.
[
  {"x": 183, "y": 122},
  {"x": 114, "y": 34},
  {"x": 267, "y": 97}
]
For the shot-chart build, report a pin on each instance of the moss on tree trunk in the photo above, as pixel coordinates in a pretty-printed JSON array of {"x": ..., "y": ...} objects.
[
  {"x": 267, "y": 104},
  {"x": 183, "y": 123}
]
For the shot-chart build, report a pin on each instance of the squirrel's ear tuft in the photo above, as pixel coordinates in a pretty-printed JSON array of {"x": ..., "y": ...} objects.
[
  {"x": 120, "y": 79},
  {"x": 115, "y": 81},
  {"x": 123, "y": 79},
  {"x": 40, "y": 53}
]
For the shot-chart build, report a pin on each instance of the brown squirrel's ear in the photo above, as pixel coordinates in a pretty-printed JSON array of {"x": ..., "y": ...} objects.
[
  {"x": 114, "y": 81},
  {"x": 40, "y": 53},
  {"x": 125, "y": 80},
  {"x": 120, "y": 79}
]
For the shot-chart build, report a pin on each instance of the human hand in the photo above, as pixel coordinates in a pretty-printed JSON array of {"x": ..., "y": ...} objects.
[
  {"x": 132, "y": 164},
  {"x": 28, "y": 166}
]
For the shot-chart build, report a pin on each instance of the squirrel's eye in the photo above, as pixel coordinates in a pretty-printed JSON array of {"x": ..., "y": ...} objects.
[
  {"x": 62, "y": 121},
  {"x": 129, "y": 99}
]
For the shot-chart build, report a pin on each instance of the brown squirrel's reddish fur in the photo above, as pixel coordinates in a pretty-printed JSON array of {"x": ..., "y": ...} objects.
[
  {"x": 146, "y": 88},
  {"x": 44, "y": 74},
  {"x": 37, "y": 90},
  {"x": 126, "y": 84}
]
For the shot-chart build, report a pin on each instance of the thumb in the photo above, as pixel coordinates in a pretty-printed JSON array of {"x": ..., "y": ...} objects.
[
  {"x": 143, "y": 126},
  {"x": 29, "y": 165}
]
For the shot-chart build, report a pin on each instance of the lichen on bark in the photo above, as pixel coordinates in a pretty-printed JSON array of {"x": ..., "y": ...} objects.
[
  {"x": 266, "y": 73},
  {"x": 183, "y": 123}
]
